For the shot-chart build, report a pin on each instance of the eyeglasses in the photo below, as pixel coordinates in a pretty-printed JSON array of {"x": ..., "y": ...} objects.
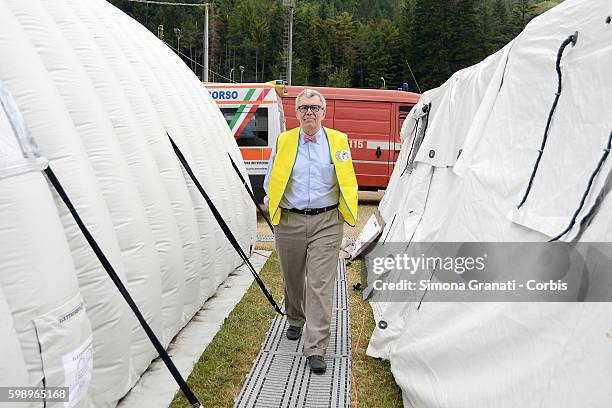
[{"x": 313, "y": 108}]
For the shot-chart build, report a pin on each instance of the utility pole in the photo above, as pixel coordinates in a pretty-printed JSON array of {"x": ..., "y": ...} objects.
[
  {"x": 289, "y": 5},
  {"x": 205, "y": 39},
  {"x": 290, "y": 57},
  {"x": 160, "y": 33},
  {"x": 177, "y": 33}
]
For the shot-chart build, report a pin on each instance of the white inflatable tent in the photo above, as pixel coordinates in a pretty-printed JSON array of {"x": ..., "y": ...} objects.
[
  {"x": 468, "y": 151},
  {"x": 93, "y": 93}
]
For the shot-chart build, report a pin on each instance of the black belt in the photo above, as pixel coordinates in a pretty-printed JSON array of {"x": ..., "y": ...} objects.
[{"x": 312, "y": 211}]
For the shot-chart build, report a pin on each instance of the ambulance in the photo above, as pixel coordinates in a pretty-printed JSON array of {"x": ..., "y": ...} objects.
[
  {"x": 372, "y": 119},
  {"x": 254, "y": 113}
]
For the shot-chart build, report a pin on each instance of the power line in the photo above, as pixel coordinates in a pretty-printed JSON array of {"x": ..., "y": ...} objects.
[
  {"x": 168, "y": 3},
  {"x": 196, "y": 62},
  {"x": 411, "y": 73}
]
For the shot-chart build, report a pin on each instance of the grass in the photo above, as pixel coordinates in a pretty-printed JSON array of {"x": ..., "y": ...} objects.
[
  {"x": 375, "y": 384},
  {"x": 218, "y": 376}
]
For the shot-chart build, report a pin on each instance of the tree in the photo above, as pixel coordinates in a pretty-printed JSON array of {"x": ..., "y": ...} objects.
[
  {"x": 344, "y": 32},
  {"x": 339, "y": 77},
  {"x": 191, "y": 36},
  {"x": 522, "y": 13},
  {"x": 360, "y": 45},
  {"x": 299, "y": 72},
  {"x": 382, "y": 46},
  {"x": 307, "y": 37},
  {"x": 503, "y": 32},
  {"x": 428, "y": 52},
  {"x": 544, "y": 6},
  {"x": 405, "y": 23},
  {"x": 338, "y": 39},
  {"x": 488, "y": 27},
  {"x": 464, "y": 34},
  {"x": 258, "y": 33}
]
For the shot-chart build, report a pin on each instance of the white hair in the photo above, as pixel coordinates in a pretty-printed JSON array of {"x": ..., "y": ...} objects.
[{"x": 309, "y": 93}]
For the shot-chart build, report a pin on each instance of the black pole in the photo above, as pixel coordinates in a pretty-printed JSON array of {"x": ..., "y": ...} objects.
[
  {"x": 193, "y": 400},
  {"x": 225, "y": 228},
  {"x": 246, "y": 186}
]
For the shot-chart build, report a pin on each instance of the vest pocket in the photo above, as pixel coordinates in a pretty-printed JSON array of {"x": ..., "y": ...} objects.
[{"x": 66, "y": 348}]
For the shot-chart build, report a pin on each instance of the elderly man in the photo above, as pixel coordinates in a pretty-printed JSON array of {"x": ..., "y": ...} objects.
[{"x": 311, "y": 189}]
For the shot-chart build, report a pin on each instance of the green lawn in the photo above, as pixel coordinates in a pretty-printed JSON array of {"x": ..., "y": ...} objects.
[
  {"x": 375, "y": 384},
  {"x": 219, "y": 375}
]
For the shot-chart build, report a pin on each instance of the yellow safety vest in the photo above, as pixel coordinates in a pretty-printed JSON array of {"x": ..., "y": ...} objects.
[{"x": 286, "y": 153}]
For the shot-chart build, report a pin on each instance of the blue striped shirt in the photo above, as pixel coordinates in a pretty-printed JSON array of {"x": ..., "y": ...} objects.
[{"x": 313, "y": 182}]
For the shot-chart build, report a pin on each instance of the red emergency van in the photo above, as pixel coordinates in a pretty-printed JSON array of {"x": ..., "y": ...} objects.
[{"x": 372, "y": 119}]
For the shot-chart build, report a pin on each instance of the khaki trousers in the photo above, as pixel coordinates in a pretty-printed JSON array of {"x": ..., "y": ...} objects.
[{"x": 308, "y": 247}]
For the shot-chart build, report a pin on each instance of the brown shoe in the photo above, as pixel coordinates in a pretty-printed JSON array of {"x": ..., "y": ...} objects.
[
  {"x": 317, "y": 364},
  {"x": 294, "y": 332}
]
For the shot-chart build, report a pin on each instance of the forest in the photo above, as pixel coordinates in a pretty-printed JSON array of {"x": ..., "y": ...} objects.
[{"x": 344, "y": 43}]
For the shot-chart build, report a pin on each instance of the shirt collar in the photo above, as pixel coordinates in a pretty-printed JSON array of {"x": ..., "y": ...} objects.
[{"x": 319, "y": 135}]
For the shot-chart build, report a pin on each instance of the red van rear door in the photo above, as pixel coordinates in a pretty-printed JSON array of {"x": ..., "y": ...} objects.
[
  {"x": 395, "y": 142},
  {"x": 368, "y": 125}
]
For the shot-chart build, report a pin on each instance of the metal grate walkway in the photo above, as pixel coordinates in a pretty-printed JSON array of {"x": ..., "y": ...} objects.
[
  {"x": 265, "y": 237},
  {"x": 280, "y": 376}
]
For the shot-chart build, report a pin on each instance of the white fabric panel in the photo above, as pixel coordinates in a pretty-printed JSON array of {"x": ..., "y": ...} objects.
[
  {"x": 215, "y": 246},
  {"x": 468, "y": 94},
  {"x": 44, "y": 112},
  {"x": 13, "y": 370},
  {"x": 161, "y": 91},
  {"x": 244, "y": 223},
  {"x": 13, "y": 147},
  {"x": 510, "y": 354},
  {"x": 205, "y": 161},
  {"x": 443, "y": 183},
  {"x": 500, "y": 355},
  {"x": 457, "y": 102},
  {"x": 139, "y": 159},
  {"x": 211, "y": 132},
  {"x": 396, "y": 189},
  {"x": 99, "y": 94},
  {"x": 485, "y": 106},
  {"x": 582, "y": 121},
  {"x": 18, "y": 154},
  {"x": 415, "y": 124},
  {"x": 38, "y": 274},
  {"x": 600, "y": 227},
  {"x": 409, "y": 208},
  {"x": 581, "y": 352},
  {"x": 400, "y": 228},
  {"x": 93, "y": 125},
  {"x": 202, "y": 139},
  {"x": 220, "y": 137},
  {"x": 153, "y": 129},
  {"x": 395, "y": 315}
]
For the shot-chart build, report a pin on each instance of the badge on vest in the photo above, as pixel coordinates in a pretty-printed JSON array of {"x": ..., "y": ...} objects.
[{"x": 343, "y": 155}]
